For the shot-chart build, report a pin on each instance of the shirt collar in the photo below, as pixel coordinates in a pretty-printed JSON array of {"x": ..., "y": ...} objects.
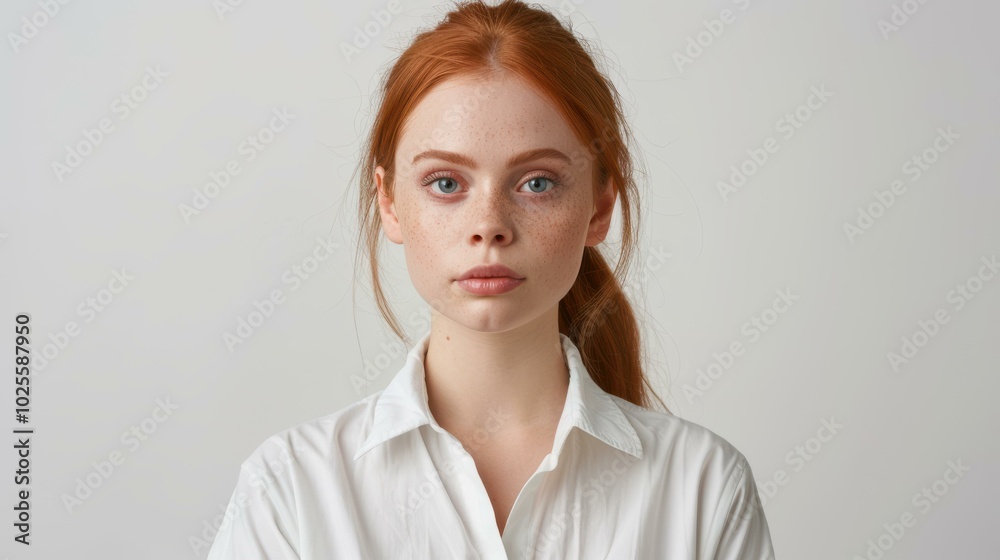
[{"x": 402, "y": 405}]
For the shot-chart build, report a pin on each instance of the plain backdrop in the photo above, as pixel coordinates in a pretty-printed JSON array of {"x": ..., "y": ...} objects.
[{"x": 866, "y": 406}]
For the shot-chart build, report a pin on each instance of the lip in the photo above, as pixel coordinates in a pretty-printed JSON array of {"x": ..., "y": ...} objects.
[
  {"x": 490, "y": 271},
  {"x": 489, "y": 280},
  {"x": 490, "y": 286}
]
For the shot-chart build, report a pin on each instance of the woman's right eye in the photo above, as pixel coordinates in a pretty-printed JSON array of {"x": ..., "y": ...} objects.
[{"x": 446, "y": 183}]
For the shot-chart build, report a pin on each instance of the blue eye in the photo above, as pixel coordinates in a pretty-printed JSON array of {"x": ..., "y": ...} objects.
[
  {"x": 449, "y": 185},
  {"x": 445, "y": 180},
  {"x": 533, "y": 180}
]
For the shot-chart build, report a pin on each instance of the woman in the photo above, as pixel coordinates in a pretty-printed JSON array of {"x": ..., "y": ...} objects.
[{"x": 496, "y": 159}]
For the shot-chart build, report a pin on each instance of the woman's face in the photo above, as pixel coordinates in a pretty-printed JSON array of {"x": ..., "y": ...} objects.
[{"x": 459, "y": 203}]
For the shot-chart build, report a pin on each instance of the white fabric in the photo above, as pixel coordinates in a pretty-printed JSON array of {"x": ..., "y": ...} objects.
[{"x": 380, "y": 479}]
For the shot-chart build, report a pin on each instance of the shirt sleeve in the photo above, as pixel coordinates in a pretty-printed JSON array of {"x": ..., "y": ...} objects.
[
  {"x": 745, "y": 534},
  {"x": 257, "y": 524}
]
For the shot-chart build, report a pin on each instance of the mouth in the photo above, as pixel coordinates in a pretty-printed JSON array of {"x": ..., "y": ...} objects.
[
  {"x": 487, "y": 272},
  {"x": 489, "y": 286}
]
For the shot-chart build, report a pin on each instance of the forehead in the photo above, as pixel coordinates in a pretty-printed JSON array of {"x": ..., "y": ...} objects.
[{"x": 486, "y": 119}]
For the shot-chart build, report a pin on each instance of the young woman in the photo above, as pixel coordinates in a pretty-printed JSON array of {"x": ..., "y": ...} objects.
[{"x": 519, "y": 426}]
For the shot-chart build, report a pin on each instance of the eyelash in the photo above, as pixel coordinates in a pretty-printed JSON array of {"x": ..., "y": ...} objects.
[{"x": 447, "y": 175}]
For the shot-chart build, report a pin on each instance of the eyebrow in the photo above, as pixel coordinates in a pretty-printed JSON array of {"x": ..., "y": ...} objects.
[{"x": 459, "y": 159}]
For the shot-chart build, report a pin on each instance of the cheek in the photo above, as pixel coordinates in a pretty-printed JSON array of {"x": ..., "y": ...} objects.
[
  {"x": 425, "y": 241},
  {"x": 560, "y": 236},
  {"x": 416, "y": 223},
  {"x": 564, "y": 226}
]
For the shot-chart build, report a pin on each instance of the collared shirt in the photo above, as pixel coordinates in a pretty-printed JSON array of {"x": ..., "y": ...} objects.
[{"x": 381, "y": 480}]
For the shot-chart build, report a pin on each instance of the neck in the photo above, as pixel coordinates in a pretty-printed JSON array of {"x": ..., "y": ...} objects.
[{"x": 496, "y": 385}]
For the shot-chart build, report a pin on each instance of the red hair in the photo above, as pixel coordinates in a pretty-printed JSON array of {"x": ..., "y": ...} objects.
[{"x": 481, "y": 41}]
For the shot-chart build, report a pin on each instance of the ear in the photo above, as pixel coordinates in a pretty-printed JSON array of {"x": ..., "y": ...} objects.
[
  {"x": 604, "y": 207},
  {"x": 387, "y": 209}
]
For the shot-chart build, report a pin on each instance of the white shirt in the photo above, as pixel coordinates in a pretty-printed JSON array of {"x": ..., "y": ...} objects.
[{"x": 381, "y": 480}]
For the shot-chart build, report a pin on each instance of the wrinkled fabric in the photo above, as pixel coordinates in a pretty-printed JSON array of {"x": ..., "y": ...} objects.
[{"x": 380, "y": 479}]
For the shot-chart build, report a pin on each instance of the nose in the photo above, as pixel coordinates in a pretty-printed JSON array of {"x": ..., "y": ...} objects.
[{"x": 491, "y": 218}]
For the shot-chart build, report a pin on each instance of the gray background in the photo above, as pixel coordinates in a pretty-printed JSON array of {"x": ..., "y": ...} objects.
[{"x": 707, "y": 265}]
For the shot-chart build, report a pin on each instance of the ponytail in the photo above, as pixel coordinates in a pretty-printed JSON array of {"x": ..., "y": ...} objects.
[{"x": 597, "y": 316}]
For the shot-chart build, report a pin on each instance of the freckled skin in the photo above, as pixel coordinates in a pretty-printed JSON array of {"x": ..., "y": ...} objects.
[{"x": 491, "y": 213}]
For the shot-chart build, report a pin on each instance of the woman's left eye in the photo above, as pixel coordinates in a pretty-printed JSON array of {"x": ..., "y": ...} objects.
[{"x": 531, "y": 183}]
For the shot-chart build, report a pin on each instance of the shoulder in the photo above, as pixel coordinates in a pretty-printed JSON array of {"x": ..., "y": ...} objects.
[
  {"x": 281, "y": 475},
  {"x": 330, "y": 437},
  {"x": 696, "y": 471},
  {"x": 684, "y": 445},
  {"x": 271, "y": 501}
]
